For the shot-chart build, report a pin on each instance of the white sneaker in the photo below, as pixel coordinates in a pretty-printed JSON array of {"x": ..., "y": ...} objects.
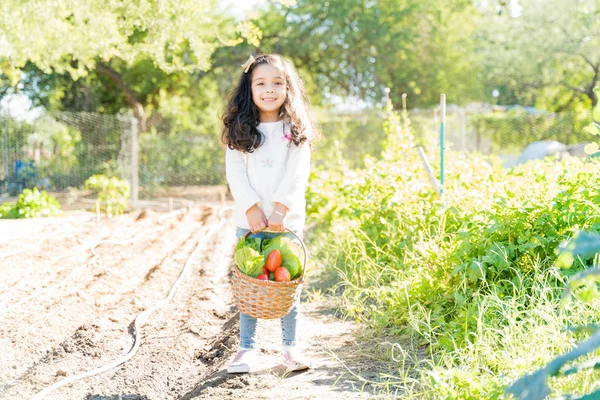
[
  {"x": 294, "y": 360},
  {"x": 243, "y": 362}
]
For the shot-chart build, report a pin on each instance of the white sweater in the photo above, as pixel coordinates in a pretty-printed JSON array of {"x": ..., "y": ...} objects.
[{"x": 275, "y": 172}]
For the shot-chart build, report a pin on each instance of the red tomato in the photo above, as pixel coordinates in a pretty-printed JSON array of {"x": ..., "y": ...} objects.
[
  {"x": 263, "y": 277},
  {"x": 265, "y": 270},
  {"x": 274, "y": 260},
  {"x": 282, "y": 275}
]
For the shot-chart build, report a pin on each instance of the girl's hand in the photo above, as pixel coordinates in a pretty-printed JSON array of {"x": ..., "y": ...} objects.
[
  {"x": 256, "y": 219},
  {"x": 276, "y": 222},
  {"x": 277, "y": 218}
]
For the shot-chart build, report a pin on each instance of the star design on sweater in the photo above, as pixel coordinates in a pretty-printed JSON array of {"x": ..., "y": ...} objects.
[{"x": 268, "y": 163}]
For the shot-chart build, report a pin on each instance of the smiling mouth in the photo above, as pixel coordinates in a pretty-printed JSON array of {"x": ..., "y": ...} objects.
[{"x": 267, "y": 99}]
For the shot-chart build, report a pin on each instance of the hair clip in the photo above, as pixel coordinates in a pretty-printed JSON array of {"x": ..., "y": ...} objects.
[{"x": 248, "y": 63}]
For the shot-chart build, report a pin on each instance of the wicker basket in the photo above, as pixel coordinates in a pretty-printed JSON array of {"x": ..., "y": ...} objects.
[{"x": 266, "y": 299}]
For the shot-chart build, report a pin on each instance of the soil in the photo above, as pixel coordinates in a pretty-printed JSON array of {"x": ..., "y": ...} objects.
[{"x": 73, "y": 285}]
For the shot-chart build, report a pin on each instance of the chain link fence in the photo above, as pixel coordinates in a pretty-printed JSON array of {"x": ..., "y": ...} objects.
[
  {"x": 509, "y": 132},
  {"x": 503, "y": 131},
  {"x": 59, "y": 151}
]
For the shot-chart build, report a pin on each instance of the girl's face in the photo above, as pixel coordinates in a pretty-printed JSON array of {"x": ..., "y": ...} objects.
[{"x": 268, "y": 91}]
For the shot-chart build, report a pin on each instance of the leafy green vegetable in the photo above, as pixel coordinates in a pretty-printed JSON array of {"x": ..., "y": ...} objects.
[
  {"x": 249, "y": 261},
  {"x": 241, "y": 243},
  {"x": 289, "y": 252},
  {"x": 253, "y": 243},
  {"x": 251, "y": 253}
]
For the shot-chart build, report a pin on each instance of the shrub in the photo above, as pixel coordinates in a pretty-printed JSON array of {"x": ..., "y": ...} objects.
[
  {"x": 112, "y": 193},
  {"x": 471, "y": 279},
  {"x": 31, "y": 204}
]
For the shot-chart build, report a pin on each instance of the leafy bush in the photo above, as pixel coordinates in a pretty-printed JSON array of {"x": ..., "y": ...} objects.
[
  {"x": 113, "y": 193},
  {"x": 461, "y": 275},
  {"x": 31, "y": 204},
  {"x": 583, "y": 286}
]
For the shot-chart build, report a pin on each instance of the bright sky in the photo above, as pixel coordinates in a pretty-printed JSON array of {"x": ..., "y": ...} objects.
[
  {"x": 240, "y": 7},
  {"x": 19, "y": 106}
]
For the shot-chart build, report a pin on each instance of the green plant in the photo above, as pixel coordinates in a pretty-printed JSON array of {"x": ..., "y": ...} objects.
[
  {"x": 112, "y": 193},
  {"x": 594, "y": 128},
  {"x": 472, "y": 281},
  {"x": 31, "y": 204},
  {"x": 583, "y": 286}
]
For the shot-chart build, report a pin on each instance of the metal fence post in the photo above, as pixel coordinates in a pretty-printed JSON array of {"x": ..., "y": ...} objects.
[
  {"x": 462, "y": 124},
  {"x": 442, "y": 141},
  {"x": 6, "y": 161},
  {"x": 134, "y": 163}
]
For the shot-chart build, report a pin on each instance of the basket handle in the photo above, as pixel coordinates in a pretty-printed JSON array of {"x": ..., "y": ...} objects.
[{"x": 297, "y": 237}]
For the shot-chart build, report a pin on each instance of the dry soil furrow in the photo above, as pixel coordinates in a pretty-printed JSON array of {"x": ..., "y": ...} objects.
[
  {"x": 76, "y": 261},
  {"x": 16, "y": 236},
  {"x": 58, "y": 320},
  {"x": 169, "y": 363},
  {"x": 46, "y": 262},
  {"x": 95, "y": 342}
]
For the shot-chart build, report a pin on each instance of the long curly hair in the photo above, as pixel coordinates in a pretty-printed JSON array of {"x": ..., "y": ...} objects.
[{"x": 241, "y": 117}]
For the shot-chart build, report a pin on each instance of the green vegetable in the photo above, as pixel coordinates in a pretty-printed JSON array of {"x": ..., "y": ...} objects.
[
  {"x": 253, "y": 243},
  {"x": 289, "y": 251},
  {"x": 249, "y": 261}
]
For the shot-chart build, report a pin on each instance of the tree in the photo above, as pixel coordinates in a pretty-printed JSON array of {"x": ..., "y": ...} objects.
[
  {"x": 113, "y": 38},
  {"x": 358, "y": 47},
  {"x": 547, "y": 55}
]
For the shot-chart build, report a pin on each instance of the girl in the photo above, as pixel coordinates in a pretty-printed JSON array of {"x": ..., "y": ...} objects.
[{"x": 268, "y": 129}]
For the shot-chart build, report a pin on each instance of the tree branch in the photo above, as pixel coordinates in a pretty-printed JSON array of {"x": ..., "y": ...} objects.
[
  {"x": 573, "y": 88},
  {"x": 130, "y": 95},
  {"x": 590, "y": 88},
  {"x": 592, "y": 64}
]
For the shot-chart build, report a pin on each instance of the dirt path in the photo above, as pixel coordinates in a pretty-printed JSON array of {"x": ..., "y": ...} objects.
[{"x": 68, "y": 303}]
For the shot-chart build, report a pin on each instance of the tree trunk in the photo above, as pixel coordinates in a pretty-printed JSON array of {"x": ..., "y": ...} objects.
[
  {"x": 130, "y": 95},
  {"x": 590, "y": 89}
]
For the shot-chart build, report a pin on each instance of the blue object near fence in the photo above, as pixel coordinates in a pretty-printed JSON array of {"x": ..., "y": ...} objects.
[{"x": 25, "y": 169}]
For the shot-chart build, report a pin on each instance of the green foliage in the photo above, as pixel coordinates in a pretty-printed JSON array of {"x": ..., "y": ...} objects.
[
  {"x": 353, "y": 47},
  {"x": 583, "y": 286},
  {"x": 454, "y": 275},
  {"x": 31, "y": 204},
  {"x": 546, "y": 57},
  {"x": 176, "y": 35},
  {"x": 112, "y": 193},
  {"x": 496, "y": 223}
]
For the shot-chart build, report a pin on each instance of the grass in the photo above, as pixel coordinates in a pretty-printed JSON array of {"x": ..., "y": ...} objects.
[
  {"x": 504, "y": 337},
  {"x": 468, "y": 293}
]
